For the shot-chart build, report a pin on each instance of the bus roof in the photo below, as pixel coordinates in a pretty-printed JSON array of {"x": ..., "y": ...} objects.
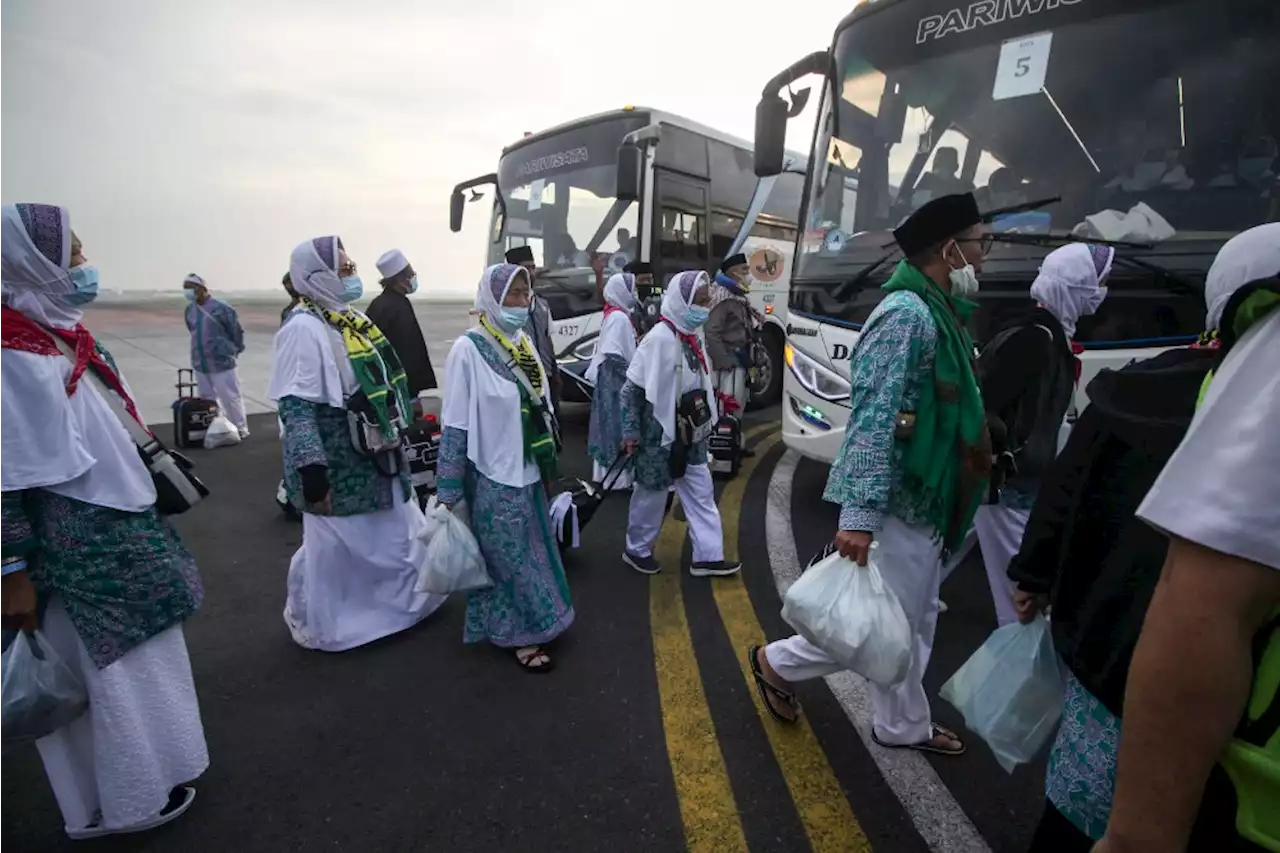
[{"x": 655, "y": 117}]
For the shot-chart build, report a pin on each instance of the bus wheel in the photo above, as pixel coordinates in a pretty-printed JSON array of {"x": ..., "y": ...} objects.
[{"x": 766, "y": 389}]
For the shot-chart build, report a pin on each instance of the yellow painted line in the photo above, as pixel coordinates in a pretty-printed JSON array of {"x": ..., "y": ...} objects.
[
  {"x": 821, "y": 803},
  {"x": 707, "y": 809}
]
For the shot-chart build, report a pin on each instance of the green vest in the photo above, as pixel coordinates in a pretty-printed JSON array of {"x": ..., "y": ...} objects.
[{"x": 1252, "y": 758}]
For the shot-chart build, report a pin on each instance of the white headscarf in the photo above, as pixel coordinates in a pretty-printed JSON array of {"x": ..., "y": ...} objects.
[
  {"x": 193, "y": 279},
  {"x": 1069, "y": 282},
  {"x": 37, "y": 264},
  {"x": 313, "y": 269},
  {"x": 659, "y": 365},
  {"x": 493, "y": 288},
  {"x": 617, "y": 335},
  {"x": 1246, "y": 257},
  {"x": 680, "y": 295}
]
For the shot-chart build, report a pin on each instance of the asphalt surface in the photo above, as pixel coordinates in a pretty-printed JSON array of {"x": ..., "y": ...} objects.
[{"x": 647, "y": 736}]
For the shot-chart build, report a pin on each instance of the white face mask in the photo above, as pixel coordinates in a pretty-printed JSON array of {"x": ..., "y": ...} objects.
[{"x": 964, "y": 281}]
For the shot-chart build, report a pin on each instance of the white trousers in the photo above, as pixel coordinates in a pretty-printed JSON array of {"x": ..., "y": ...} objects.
[
  {"x": 1000, "y": 530},
  {"x": 224, "y": 387},
  {"x": 733, "y": 383},
  {"x": 141, "y": 736},
  {"x": 697, "y": 496},
  {"x": 909, "y": 560}
]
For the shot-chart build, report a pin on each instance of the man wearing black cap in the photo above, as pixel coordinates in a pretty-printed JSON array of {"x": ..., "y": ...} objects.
[
  {"x": 730, "y": 328},
  {"x": 914, "y": 464},
  {"x": 538, "y": 326}
]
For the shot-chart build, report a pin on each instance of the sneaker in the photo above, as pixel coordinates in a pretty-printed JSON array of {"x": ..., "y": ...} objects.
[
  {"x": 244, "y": 433},
  {"x": 643, "y": 565},
  {"x": 717, "y": 568}
]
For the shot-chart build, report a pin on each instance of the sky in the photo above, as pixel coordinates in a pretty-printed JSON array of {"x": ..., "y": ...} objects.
[{"x": 213, "y": 137}]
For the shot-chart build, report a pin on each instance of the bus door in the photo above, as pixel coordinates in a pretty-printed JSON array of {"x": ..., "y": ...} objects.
[{"x": 680, "y": 224}]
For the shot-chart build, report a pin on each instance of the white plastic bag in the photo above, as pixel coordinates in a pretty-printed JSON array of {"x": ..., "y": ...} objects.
[
  {"x": 1010, "y": 691},
  {"x": 40, "y": 694},
  {"x": 221, "y": 433},
  {"x": 850, "y": 613},
  {"x": 453, "y": 562}
]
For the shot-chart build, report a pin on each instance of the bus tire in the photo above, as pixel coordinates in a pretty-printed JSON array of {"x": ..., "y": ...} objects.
[{"x": 771, "y": 392}]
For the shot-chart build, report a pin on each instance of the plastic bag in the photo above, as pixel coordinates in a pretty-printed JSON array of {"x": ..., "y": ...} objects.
[
  {"x": 850, "y": 613},
  {"x": 221, "y": 433},
  {"x": 39, "y": 692},
  {"x": 1010, "y": 691},
  {"x": 453, "y": 562}
]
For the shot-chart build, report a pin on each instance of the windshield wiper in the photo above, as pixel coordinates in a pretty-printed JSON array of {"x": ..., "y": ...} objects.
[{"x": 847, "y": 289}]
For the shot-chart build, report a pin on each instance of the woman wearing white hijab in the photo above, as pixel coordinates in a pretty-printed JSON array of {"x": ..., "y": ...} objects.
[
  {"x": 496, "y": 451},
  {"x": 608, "y": 373},
  {"x": 81, "y": 533},
  {"x": 352, "y": 580},
  {"x": 670, "y": 371},
  {"x": 1029, "y": 374}
]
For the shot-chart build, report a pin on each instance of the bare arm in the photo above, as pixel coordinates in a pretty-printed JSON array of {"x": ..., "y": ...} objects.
[{"x": 1187, "y": 690}]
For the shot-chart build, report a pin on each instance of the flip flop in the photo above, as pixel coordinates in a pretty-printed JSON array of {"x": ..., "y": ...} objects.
[
  {"x": 536, "y": 669},
  {"x": 766, "y": 689},
  {"x": 926, "y": 746},
  {"x": 180, "y": 799}
]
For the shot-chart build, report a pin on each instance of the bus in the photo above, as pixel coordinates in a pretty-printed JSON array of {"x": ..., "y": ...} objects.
[
  {"x": 1149, "y": 123},
  {"x": 644, "y": 185}
]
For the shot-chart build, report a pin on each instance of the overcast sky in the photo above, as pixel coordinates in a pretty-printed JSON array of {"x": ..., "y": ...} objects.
[{"x": 215, "y": 136}]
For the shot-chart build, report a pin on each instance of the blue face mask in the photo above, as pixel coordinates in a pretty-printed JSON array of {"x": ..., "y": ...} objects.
[
  {"x": 352, "y": 288},
  {"x": 413, "y": 284},
  {"x": 85, "y": 278},
  {"x": 512, "y": 320},
  {"x": 696, "y": 315},
  {"x": 190, "y": 294}
]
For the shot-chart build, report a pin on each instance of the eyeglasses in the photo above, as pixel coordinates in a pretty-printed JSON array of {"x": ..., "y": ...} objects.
[{"x": 986, "y": 241}]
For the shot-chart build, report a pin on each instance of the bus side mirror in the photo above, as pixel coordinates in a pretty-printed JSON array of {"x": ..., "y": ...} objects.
[
  {"x": 771, "y": 135},
  {"x": 630, "y": 168},
  {"x": 456, "y": 203}
]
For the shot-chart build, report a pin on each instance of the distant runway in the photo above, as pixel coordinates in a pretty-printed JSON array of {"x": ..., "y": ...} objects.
[{"x": 150, "y": 342}]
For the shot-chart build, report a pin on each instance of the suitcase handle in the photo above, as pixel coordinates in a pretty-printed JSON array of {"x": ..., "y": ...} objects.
[
  {"x": 189, "y": 384},
  {"x": 611, "y": 476}
]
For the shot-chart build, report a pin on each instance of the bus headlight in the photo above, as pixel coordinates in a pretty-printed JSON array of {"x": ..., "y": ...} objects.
[{"x": 815, "y": 378}]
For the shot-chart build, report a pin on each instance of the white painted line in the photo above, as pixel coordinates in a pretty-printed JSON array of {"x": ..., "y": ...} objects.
[{"x": 936, "y": 815}]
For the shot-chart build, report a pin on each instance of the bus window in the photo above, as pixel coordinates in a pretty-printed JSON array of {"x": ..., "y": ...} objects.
[{"x": 724, "y": 227}]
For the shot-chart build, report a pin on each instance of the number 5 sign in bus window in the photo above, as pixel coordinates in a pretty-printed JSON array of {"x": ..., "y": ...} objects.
[{"x": 1024, "y": 63}]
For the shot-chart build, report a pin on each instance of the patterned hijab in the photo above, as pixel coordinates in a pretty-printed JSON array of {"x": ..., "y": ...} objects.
[
  {"x": 37, "y": 264},
  {"x": 493, "y": 288},
  {"x": 1069, "y": 284},
  {"x": 620, "y": 291},
  {"x": 680, "y": 295}
]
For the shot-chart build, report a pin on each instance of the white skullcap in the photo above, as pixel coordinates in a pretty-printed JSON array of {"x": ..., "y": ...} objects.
[
  {"x": 392, "y": 262},
  {"x": 193, "y": 279}
]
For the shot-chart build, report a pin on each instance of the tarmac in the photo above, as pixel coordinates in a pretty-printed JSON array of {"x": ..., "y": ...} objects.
[{"x": 649, "y": 736}]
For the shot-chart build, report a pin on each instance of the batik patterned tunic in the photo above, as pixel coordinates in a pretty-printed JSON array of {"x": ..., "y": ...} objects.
[
  {"x": 892, "y": 361},
  {"x": 639, "y": 424}
]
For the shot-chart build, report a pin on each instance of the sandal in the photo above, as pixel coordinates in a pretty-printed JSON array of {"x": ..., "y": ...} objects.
[
  {"x": 927, "y": 745},
  {"x": 771, "y": 691},
  {"x": 534, "y": 659}
]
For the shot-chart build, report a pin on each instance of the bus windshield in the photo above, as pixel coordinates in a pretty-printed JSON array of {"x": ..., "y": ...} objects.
[
  {"x": 1155, "y": 122},
  {"x": 559, "y": 194}
]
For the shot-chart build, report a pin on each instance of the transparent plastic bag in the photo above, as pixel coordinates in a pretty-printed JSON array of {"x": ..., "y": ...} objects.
[
  {"x": 39, "y": 692},
  {"x": 850, "y": 613},
  {"x": 1010, "y": 691},
  {"x": 221, "y": 433},
  {"x": 453, "y": 562}
]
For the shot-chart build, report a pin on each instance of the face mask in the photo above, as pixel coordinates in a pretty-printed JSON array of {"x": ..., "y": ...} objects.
[
  {"x": 1093, "y": 301},
  {"x": 512, "y": 320},
  {"x": 85, "y": 278},
  {"x": 696, "y": 315},
  {"x": 190, "y": 294},
  {"x": 964, "y": 281},
  {"x": 352, "y": 288},
  {"x": 1253, "y": 168},
  {"x": 413, "y": 284}
]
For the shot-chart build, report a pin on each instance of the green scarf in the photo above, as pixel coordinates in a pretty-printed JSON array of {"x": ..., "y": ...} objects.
[
  {"x": 1252, "y": 304},
  {"x": 373, "y": 361},
  {"x": 948, "y": 458},
  {"x": 539, "y": 443}
]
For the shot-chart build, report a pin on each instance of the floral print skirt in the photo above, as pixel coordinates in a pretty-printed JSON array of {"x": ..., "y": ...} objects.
[{"x": 1081, "y": 779}]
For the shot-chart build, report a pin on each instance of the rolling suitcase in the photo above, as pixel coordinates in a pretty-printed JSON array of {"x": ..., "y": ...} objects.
[
  {"x": 724, "y": 447},
  {"x": 575, "y": 505},
  {"x": 422, "y": 452},
  {"x": 191, "y": 414}
]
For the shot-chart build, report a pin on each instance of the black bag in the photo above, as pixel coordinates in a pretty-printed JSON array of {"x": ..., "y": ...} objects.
[
  {"x": 422, "y": 452},
  {"x": 191, "y": 414},
  {"x": 694, "y": 423},
  {"x": 724, "y": 447},
  {"x": 587, "y": 497}
]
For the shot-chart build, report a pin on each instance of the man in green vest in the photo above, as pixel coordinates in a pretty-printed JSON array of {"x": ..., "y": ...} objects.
[{"x": 1199, "y": 761}]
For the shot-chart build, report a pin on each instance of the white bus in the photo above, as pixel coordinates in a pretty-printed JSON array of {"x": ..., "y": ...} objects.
[
  {"x": 1162, "y": 111},
  {"x": 640, "y": 184}
]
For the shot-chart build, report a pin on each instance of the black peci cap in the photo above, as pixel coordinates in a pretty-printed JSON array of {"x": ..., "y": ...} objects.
[
  {"x": 520, "y": 255},
  {"x": 938, "y": 220},
  {"x": 733, "y": 261},
  {"x": 638, "y": 268}
]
